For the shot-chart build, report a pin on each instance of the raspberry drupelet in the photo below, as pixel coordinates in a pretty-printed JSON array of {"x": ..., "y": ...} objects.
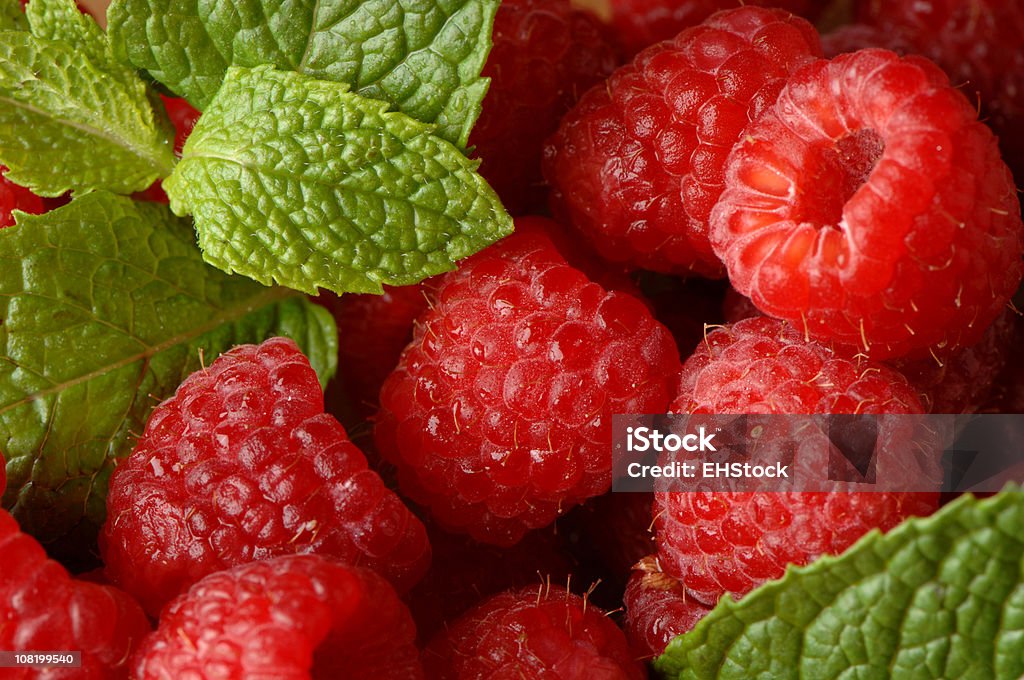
[
  {"x": 533, "y": 633},
  {"x": 637, "y": 164},
  {"x": 298, "y": 617},
  {"x": 871, "y": 208},
  {"x": 243, "y": 464},
  {"x": 718, "y": 542},
  {"x": 498, "y": 416},
  {"x": 546, "y": 54},
  {"x": 42, "y": 608}
]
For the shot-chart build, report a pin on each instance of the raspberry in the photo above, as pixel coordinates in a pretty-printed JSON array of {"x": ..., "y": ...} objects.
[
  {"x": 372, "y": 332},
  {"x": 871, "y": 208},
  {"x": 464, "y": 572},
  {"x": 658, "y": 608},
  {"x": 733, "y": 541},
  {"x": 762, "y": 365},
  {"x": 545, "y": 54},
  {"x": 638, "y": 163},
  {"x": 977, "y": 43},
  {"x": 854, "y": 37},
  {"x": 14, "y": 197},
  {"x": 498, "y": 415},
  {"x": 532, "y": 633},
  {"x": 639, "y": 23},
  {"x": 242, "y": 464},
  {"x": 298, "y": 616},
  {"x": 43, "y": 609},
  {"x": 962, "y": 382}
]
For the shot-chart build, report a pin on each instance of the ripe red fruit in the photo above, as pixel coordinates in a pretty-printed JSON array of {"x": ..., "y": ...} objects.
[
  {"x": 242, "y": 464},
  {"x": 963, "y": 381},
  {"x": 658, "y": 608},
  {"x": 532, "y": 634},
  {"x": 733, "y": 541},
  {"x": 14, "y": 197},
  {"x": 977, "y": 43},
  {"x": 299, "y": 616},
  {"x": 855, "y": 37},
  {"x": 545, "y": 54},
  {"x": 639, "y": 23},
  {"x": 871, "y": 208},
  {"x": 43, "y": 609},
  {"x": 637, "y": 165},
  {"x": 498, "y": 415}
]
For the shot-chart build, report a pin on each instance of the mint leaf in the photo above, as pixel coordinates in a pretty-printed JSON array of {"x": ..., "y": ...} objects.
[
  {"x": 297, "y": 181},
  {"x": 106, "y": 305},
  {"x": 422, "y": 56},
  {"x": 71, "y": 117},
  {"x": 62, "y": 20},
  {"x": 941, "y": 597},
  {"x": 11, "y": 16}
]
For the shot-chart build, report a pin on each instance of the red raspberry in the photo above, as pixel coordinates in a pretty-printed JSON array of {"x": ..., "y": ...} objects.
[
  {"x": 372, "y": 332},
  {"x": 684, "y": 306},
  {"x": 658, "y": 609},
  {"x": 14, "y": 197},
  {"x": 498, "y": 415},
  {"x": 299, "y": 616},
  {"x": 978, "y": 43},
  {"x": 962, "y": 382},
  {"x": 242, "y": 464},
  {"x": 545, "y": 54},
  {"x": 762, "y": 365},
  {"x": 532, "y": 634},
  {"x": 464, "y": 572},
  {"x": 640, "y": 23},
  {"x": 870, "y": 207},
  {"x": 732, "y": 541},
  {"x": 637, "y": 165},
  {"x": 854, "y": 37},
  {"x": 43, "y": 609}
]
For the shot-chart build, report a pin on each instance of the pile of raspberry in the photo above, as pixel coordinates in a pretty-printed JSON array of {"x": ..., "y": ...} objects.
[{"x": 727, "y": 222}]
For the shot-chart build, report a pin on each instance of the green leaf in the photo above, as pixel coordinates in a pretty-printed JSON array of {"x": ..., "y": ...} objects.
[
  {"x": 297, "y": 181},
  {"x": 106, "y": 306},
  {"x": 422, "y": 56},
  {"x": 62, "y": 20},
  {"x": 11, "y": 16},
  {"x": 71, "y": 117},
  {"x": 941, "y": 597}
]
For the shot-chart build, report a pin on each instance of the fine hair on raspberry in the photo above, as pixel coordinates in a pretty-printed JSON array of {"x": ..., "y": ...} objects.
[{"x": 871, "y": 208}]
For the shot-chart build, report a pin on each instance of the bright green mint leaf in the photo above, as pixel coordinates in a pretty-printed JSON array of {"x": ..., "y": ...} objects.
[
  {"x": 296, "y": 181},
  {"x": 11, "y": 16},
  {"x": 941, "y": 597},
  {"x": 71, "y": 117},
  {"x": 62, "y": 20},
  {"x": 422, "y": 56},
  {"x": 106, "y": 306}
]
